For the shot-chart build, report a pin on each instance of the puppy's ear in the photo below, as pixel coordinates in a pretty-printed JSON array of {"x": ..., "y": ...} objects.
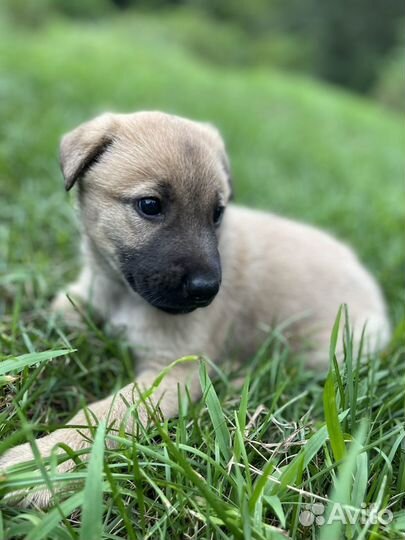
[
  {"x": 82, "y": 147},
  {"x": 216, "y": 137}
]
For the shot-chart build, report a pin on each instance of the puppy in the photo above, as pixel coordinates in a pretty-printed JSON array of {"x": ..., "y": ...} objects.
[{"x": 185, "y": 273}]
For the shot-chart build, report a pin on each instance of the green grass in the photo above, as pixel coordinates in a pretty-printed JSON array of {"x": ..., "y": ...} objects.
[{"x": 241, "y": 463}]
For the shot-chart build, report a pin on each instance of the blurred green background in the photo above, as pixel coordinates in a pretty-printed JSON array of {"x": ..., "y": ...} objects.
[{"x": 308, "y": 96}]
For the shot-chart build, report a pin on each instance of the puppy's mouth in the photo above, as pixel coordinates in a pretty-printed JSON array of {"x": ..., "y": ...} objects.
[{"x": 181, "y": 309}]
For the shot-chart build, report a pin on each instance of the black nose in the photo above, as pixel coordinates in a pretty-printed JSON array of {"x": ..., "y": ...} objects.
[{"x": 201, "y": 289}]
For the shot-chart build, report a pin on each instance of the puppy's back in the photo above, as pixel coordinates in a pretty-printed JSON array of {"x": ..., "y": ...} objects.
[{"x": 293, "y": 271}]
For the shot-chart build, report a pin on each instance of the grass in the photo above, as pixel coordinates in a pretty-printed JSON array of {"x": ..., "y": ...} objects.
[{"x": 241, "y": 463}]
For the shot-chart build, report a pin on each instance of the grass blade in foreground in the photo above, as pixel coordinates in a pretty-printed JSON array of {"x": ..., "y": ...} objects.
[
  {"x": 329, "y": 398},
  {"x": 332, "y": 419},
  {"x": 18, "y": 363},
  {"x": 216, "y": 413},
  {"x": 51, "y": 521},
  {"x": 92, "y": 514},
  {"x": 341, "y": 494}
]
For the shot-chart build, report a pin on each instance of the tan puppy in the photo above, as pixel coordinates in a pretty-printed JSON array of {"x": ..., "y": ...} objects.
[{"x": 184, "y": 273}]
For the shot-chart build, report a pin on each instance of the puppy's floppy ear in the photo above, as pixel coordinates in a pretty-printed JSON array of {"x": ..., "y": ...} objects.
[
  {"x": 82, "y": 147},
  {"x": 219, "y": 141}
]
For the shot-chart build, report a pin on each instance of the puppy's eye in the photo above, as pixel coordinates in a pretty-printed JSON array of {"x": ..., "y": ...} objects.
[
  {"x": 218, "y": 213},
  {"x": 149, "y": 206}
]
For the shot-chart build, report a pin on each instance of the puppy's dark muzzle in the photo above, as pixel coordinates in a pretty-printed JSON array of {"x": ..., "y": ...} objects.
[{"x": 174, "y": 286}]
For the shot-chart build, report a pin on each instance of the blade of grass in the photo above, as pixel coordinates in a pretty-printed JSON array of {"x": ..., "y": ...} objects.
[
  {"x": 92, "y": 509},
  {"x": 216, "y": 413},
  {"x": 18, "y": 363},
  {"x": 260, "y": 484},
  {"x": 341, "y": 491},
  {"x": 275, "y": 503},
  {"x": 360, "y": 480},
  {"x": 304, "y": 457},
  {"x": 334, "y": 336},
  {"x": 52, "y": 518},
  {"x": 332, "y": 419}
]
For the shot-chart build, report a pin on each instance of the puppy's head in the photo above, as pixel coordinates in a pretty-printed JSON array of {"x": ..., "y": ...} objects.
[{"x": 152, "y": 191}]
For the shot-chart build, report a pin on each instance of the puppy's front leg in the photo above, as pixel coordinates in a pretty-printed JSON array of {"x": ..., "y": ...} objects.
[
  {"x": 114, "y": 410},
  {"x": 79, "y": 292},
  {"x": 89, "y": 290}
]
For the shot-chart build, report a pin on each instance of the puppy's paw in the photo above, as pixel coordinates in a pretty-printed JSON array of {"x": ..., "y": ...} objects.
[{"x": 40, "y": 497}]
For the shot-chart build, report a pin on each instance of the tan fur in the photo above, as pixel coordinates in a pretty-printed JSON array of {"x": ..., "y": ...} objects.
[{"x": 274, "y": 270}]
